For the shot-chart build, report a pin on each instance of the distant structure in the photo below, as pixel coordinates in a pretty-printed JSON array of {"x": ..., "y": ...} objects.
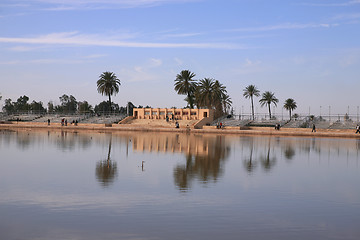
[{"x": 173, "y": 113}]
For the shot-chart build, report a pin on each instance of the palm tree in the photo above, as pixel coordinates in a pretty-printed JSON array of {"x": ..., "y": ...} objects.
[
  {"x": 249, "y": 92},
  {"x": 290, "y": 105},
  {"x": 205, "y": 93},
  {"x": 268, "y": 98},
  {"x": 108, "y": 84},
  {"x": 185, "y": 85}
]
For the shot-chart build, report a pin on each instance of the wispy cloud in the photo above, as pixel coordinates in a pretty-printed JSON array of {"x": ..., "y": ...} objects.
[
  {"x": 347, "y": 16},
  {"x": 183, "y": 35},
  {"x": 285, "y": 26},
  {"x": 334, "y": 4},
  {"x": 76, "y": 39},
  {"x": 66, "y": 5}
]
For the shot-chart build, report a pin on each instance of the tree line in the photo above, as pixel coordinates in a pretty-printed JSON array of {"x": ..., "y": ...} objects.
[
  {"x": 204, "y": 93},
  {"x": 68, "y": 105},
  {"x": 210, "y": 93}
]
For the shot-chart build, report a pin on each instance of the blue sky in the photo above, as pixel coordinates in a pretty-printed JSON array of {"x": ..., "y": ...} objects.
[{"x": 308, "y": 50}]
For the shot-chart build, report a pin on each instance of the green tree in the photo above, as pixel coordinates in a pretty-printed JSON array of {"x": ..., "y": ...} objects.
[
  {"x": 210, "y": 93},
  {"x": 249, "y": 92},
  {"x": 185, "y": 85},
  {"x": 51, "y": 107},
  {"x": 204, "y": 93},
  {"x": 290, "y": 105},
  {"x": 104, "y": 107},
  {"x": 37, "y": 107},
  {"x": 9, "y": 106},
  {"x": 84, "y": 107},
  {"x": 68, "y": 103},
  {"x": 108, "y": 84},
  {"x": 268, "y": 98},
  {"x": 21, "y": 104}
]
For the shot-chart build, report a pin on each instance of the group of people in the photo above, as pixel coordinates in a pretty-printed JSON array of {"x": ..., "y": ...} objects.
[
  {"x": 172, "y": 118},
  {"x": 220, "y": 125}
]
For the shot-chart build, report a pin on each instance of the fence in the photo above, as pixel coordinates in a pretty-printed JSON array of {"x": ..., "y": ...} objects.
[{"x": 344, "y": 117}]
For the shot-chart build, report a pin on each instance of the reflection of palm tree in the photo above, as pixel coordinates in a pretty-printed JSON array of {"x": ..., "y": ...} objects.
[
  {"x": 202, "y": 167},
  {"x": 106, "y": 170},
  {"x": 289, "y": 152},
  {"x": 268, "y": 162},
  {"x": 249, "y": 164},
  {"x": 182, "y": 177}
]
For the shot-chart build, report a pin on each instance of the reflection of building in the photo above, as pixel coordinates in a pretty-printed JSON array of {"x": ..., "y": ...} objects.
[
  {"x": 188, "y": 144},
  {"x": 178, "y": 114}
]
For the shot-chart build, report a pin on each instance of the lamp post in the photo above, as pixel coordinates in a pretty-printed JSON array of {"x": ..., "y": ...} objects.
[{"x": 320, "y": 112}]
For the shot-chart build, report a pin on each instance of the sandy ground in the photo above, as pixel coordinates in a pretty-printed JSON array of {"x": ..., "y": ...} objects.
[{"x": 295, "y": 132}]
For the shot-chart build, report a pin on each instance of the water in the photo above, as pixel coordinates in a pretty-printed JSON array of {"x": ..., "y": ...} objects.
[{"x": 65, "y": 185}]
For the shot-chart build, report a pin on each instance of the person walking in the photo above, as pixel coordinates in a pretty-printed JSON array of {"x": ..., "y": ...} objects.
[
  {"x": 313, "y": 128},
  {"x": 357, "y": 129}
]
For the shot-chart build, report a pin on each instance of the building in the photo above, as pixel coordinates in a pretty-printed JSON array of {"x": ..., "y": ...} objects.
[{"x": 173, "y": 113}]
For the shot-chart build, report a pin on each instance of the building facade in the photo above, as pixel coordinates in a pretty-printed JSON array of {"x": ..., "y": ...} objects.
[{"x": 173, "y": 113}]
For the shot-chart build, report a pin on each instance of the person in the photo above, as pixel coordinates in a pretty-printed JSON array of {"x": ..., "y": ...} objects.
[
  {"x": 357, "y": 129},
  {"x": 65, "y": 122},
  {"x": 313, "y": 128},
  {"x": 221, "y": 125},
  {"x": 177, "y": 125},
  {"x": 62, "y": 122},
  {"x": 167, "y": 118},
  {"x": 48, "y": 121},
  {"x": 76, "y": 122}
]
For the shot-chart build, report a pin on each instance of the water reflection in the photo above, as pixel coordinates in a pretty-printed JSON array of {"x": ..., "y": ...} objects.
[
  {"x": 289, "y": 152},
  {"x": 204, "y": 155},
  {"x": 249, "y": 163},
  {"x": 268, "y": 161},
  {"x": 205, "y": 168},
  {"x": 106, "y": 170},
  {"x": 235, "y": 186}
]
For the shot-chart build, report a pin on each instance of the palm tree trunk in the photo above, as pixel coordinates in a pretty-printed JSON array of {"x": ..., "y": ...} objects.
[
  {"x": 190, "y": 101},
  {"x": 110, "y": 103},
  {"x": 269, "y": 111},
  {"x": 252, "y": 108},
  {"x": 290, "y": 113}
]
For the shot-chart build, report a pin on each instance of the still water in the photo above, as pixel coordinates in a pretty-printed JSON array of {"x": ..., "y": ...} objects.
[{"x": 64, "y": 185}]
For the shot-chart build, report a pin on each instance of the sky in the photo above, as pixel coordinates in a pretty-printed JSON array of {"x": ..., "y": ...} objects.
[{"x": 308, "y": 50}]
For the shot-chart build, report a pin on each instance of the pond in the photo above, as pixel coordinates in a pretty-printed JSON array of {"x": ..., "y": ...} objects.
[{"x": 132, "y": 185}]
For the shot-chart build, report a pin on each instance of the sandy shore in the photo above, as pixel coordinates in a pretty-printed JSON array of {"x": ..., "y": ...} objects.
[{"x": 292, "y": 132}]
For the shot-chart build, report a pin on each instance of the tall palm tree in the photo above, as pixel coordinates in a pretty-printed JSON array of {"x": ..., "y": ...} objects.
[
  {"x": 290, "y": 105},
  {"x": 205, "y": 92},
  {"x": 185, "y": 85},
  {"x": 108, "y": 84},
  {"x": 268, "y": 98},
  {"x": 249, "y": 92}
]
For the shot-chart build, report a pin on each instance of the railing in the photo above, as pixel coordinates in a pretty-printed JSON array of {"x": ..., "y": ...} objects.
[{"x": 283, "y": 117}]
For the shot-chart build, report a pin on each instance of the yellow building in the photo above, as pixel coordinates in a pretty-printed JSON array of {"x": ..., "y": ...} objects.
[{"x": 173, "y": 113}]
